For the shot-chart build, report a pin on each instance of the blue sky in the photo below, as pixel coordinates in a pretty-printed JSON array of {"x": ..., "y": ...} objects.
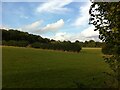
[{"x": 54, "y": 19}]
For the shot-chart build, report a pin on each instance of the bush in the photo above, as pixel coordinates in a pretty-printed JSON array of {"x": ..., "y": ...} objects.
[
  {"x": 22, "y": 43},
  {"x": 107, "y": 49},
  {"x": 74, "y": 47},
  {"x": 4, "y": 42},
  {"x": 36, "y": 45},
  {"x": 11, "y": 43},
  {"x": 15, "y": 43}
]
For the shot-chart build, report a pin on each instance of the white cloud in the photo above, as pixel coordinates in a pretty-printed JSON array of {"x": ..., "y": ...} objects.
[
  {"x": 83, "y": 18},
  {"x": 4, "y": 27},
  {"x": 52, "y": 27},
  {"x": 89, "y": 32},
  {"x": 85, "y": 35},
  {"x": 62, "y": 36},
  {"x": 54, "y": 6},
  {"x": 33, "y": 26},
  {"x": 36, "y": 28}
]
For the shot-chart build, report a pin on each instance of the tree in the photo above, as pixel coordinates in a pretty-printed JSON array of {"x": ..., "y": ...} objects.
[
  {"x": 23, "y": 39},
  {"x": 105, "y": 17}
]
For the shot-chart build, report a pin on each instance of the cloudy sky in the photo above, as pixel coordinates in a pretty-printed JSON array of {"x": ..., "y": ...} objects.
[{"x": 54, "y": 19}]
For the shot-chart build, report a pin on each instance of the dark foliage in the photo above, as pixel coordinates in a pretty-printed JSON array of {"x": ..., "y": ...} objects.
[
  {"x": 105, "y": 16},
  {"x": 92, "y": 43},
  {"x": 23, "y": 39}
]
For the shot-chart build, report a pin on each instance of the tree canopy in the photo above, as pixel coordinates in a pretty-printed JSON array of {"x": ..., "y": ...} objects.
[
  {"x": 23, "y": 39},
  {"x": 106, "y": 19},
  {"x": 105, "y": 16}
]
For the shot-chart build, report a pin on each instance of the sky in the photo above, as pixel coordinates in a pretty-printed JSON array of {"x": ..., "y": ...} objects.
[{"x": 54, "y": 19}]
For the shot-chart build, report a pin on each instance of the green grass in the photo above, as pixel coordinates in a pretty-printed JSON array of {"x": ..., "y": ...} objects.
[{"x": 36, "y": 68}]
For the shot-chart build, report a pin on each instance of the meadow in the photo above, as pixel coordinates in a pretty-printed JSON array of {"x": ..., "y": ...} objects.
[{"x": 38, "y": 68}]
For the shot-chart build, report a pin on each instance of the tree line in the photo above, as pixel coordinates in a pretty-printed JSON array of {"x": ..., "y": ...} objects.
[
  {"x": 23, "y": 39},
  {"x": 91, "y": 43}
]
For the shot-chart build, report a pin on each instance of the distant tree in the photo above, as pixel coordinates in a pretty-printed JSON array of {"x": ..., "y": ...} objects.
[
  {"x": 4, "y": 42},
  {"x": 22, "y": 43},
  {"x": 22, "y": 39},
  {"x": 36, "y": 45},
  {"x": 91, "y": 43},
  {"x": 99, "y": 44},
  {"x": 77, "y": 41}
]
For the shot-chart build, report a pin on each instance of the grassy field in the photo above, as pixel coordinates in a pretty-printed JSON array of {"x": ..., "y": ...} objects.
[{"x": 36, "y": 68}]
